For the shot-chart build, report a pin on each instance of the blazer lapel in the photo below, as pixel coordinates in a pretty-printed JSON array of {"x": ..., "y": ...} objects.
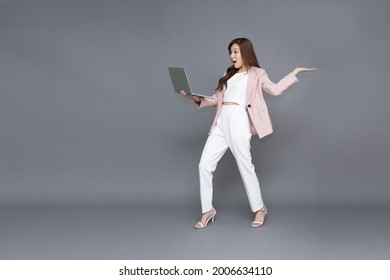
[{"x": 250, "y": 88}]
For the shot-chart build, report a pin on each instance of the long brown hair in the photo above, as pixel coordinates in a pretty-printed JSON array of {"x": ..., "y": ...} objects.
[{"x": 249, "y": 59}]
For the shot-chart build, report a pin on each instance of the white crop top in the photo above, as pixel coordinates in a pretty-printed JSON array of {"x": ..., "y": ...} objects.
[{"x": 236, "y": 89}]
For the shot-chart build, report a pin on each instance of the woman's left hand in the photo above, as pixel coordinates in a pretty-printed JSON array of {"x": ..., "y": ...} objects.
[{"x": 298, "y": 70}]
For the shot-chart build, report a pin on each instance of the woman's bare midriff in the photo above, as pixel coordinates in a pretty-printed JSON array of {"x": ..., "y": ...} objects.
[{"x": 230, "y": 103}]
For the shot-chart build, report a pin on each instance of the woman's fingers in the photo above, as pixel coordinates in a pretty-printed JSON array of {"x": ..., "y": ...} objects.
[
  {"x": 189, "y": 96},
  {"x": 303, "y": 69},
  {"x": 309, "y": 69}
]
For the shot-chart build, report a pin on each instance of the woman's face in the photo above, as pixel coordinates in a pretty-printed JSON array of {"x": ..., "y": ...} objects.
[{"x": 235, "y": 57}]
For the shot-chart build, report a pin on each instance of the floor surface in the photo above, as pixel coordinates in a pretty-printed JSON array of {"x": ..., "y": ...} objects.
[{"x": 167, "y": 233}]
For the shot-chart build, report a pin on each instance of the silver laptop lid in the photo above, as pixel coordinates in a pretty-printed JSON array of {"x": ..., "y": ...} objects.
[{"x": 179, "y": 79}]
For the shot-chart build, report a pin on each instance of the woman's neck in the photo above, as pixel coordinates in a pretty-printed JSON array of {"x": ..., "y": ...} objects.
[{"x": 243, "y": 69}]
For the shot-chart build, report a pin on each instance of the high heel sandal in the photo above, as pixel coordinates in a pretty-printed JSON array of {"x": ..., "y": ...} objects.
[
  {"x": 257, "y": 224},
  {"x": 207, "y": 221}
]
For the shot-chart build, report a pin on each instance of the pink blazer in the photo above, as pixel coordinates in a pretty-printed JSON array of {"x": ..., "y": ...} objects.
[{"x": 258, "y": 81}]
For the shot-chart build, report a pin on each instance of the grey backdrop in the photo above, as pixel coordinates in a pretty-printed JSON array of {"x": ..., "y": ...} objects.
[
  {"x": 98, "y": 155},
  {"x": 88, "y": 115}
]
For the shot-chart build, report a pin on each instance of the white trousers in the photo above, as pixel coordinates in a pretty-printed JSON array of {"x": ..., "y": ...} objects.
[{"x": 232, "y": 131}]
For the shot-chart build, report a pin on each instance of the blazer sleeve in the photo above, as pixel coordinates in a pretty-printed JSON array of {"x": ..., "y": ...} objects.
[
  {"x": 207, "y": 101},
  {"x": 211, "y": 101},
  {"x": 277, "y": 88}
]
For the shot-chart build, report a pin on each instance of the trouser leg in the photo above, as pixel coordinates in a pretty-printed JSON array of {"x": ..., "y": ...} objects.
[
  {"x": 238, "y": 137},
  {"x": 247, "y": 170},
  {"x": 213, "y": 151}
]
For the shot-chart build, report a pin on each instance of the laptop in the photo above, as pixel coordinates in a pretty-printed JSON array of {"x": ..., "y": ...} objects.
[{"x": 180, "y": 81}]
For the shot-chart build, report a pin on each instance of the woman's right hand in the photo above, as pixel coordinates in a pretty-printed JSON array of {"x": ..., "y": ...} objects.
[
  {"x": 298, "y": 70},
  {"x": 189, "y": 96}
]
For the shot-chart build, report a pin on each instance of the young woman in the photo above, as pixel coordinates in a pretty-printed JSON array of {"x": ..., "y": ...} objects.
[{"x": 241, "y": 111}]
